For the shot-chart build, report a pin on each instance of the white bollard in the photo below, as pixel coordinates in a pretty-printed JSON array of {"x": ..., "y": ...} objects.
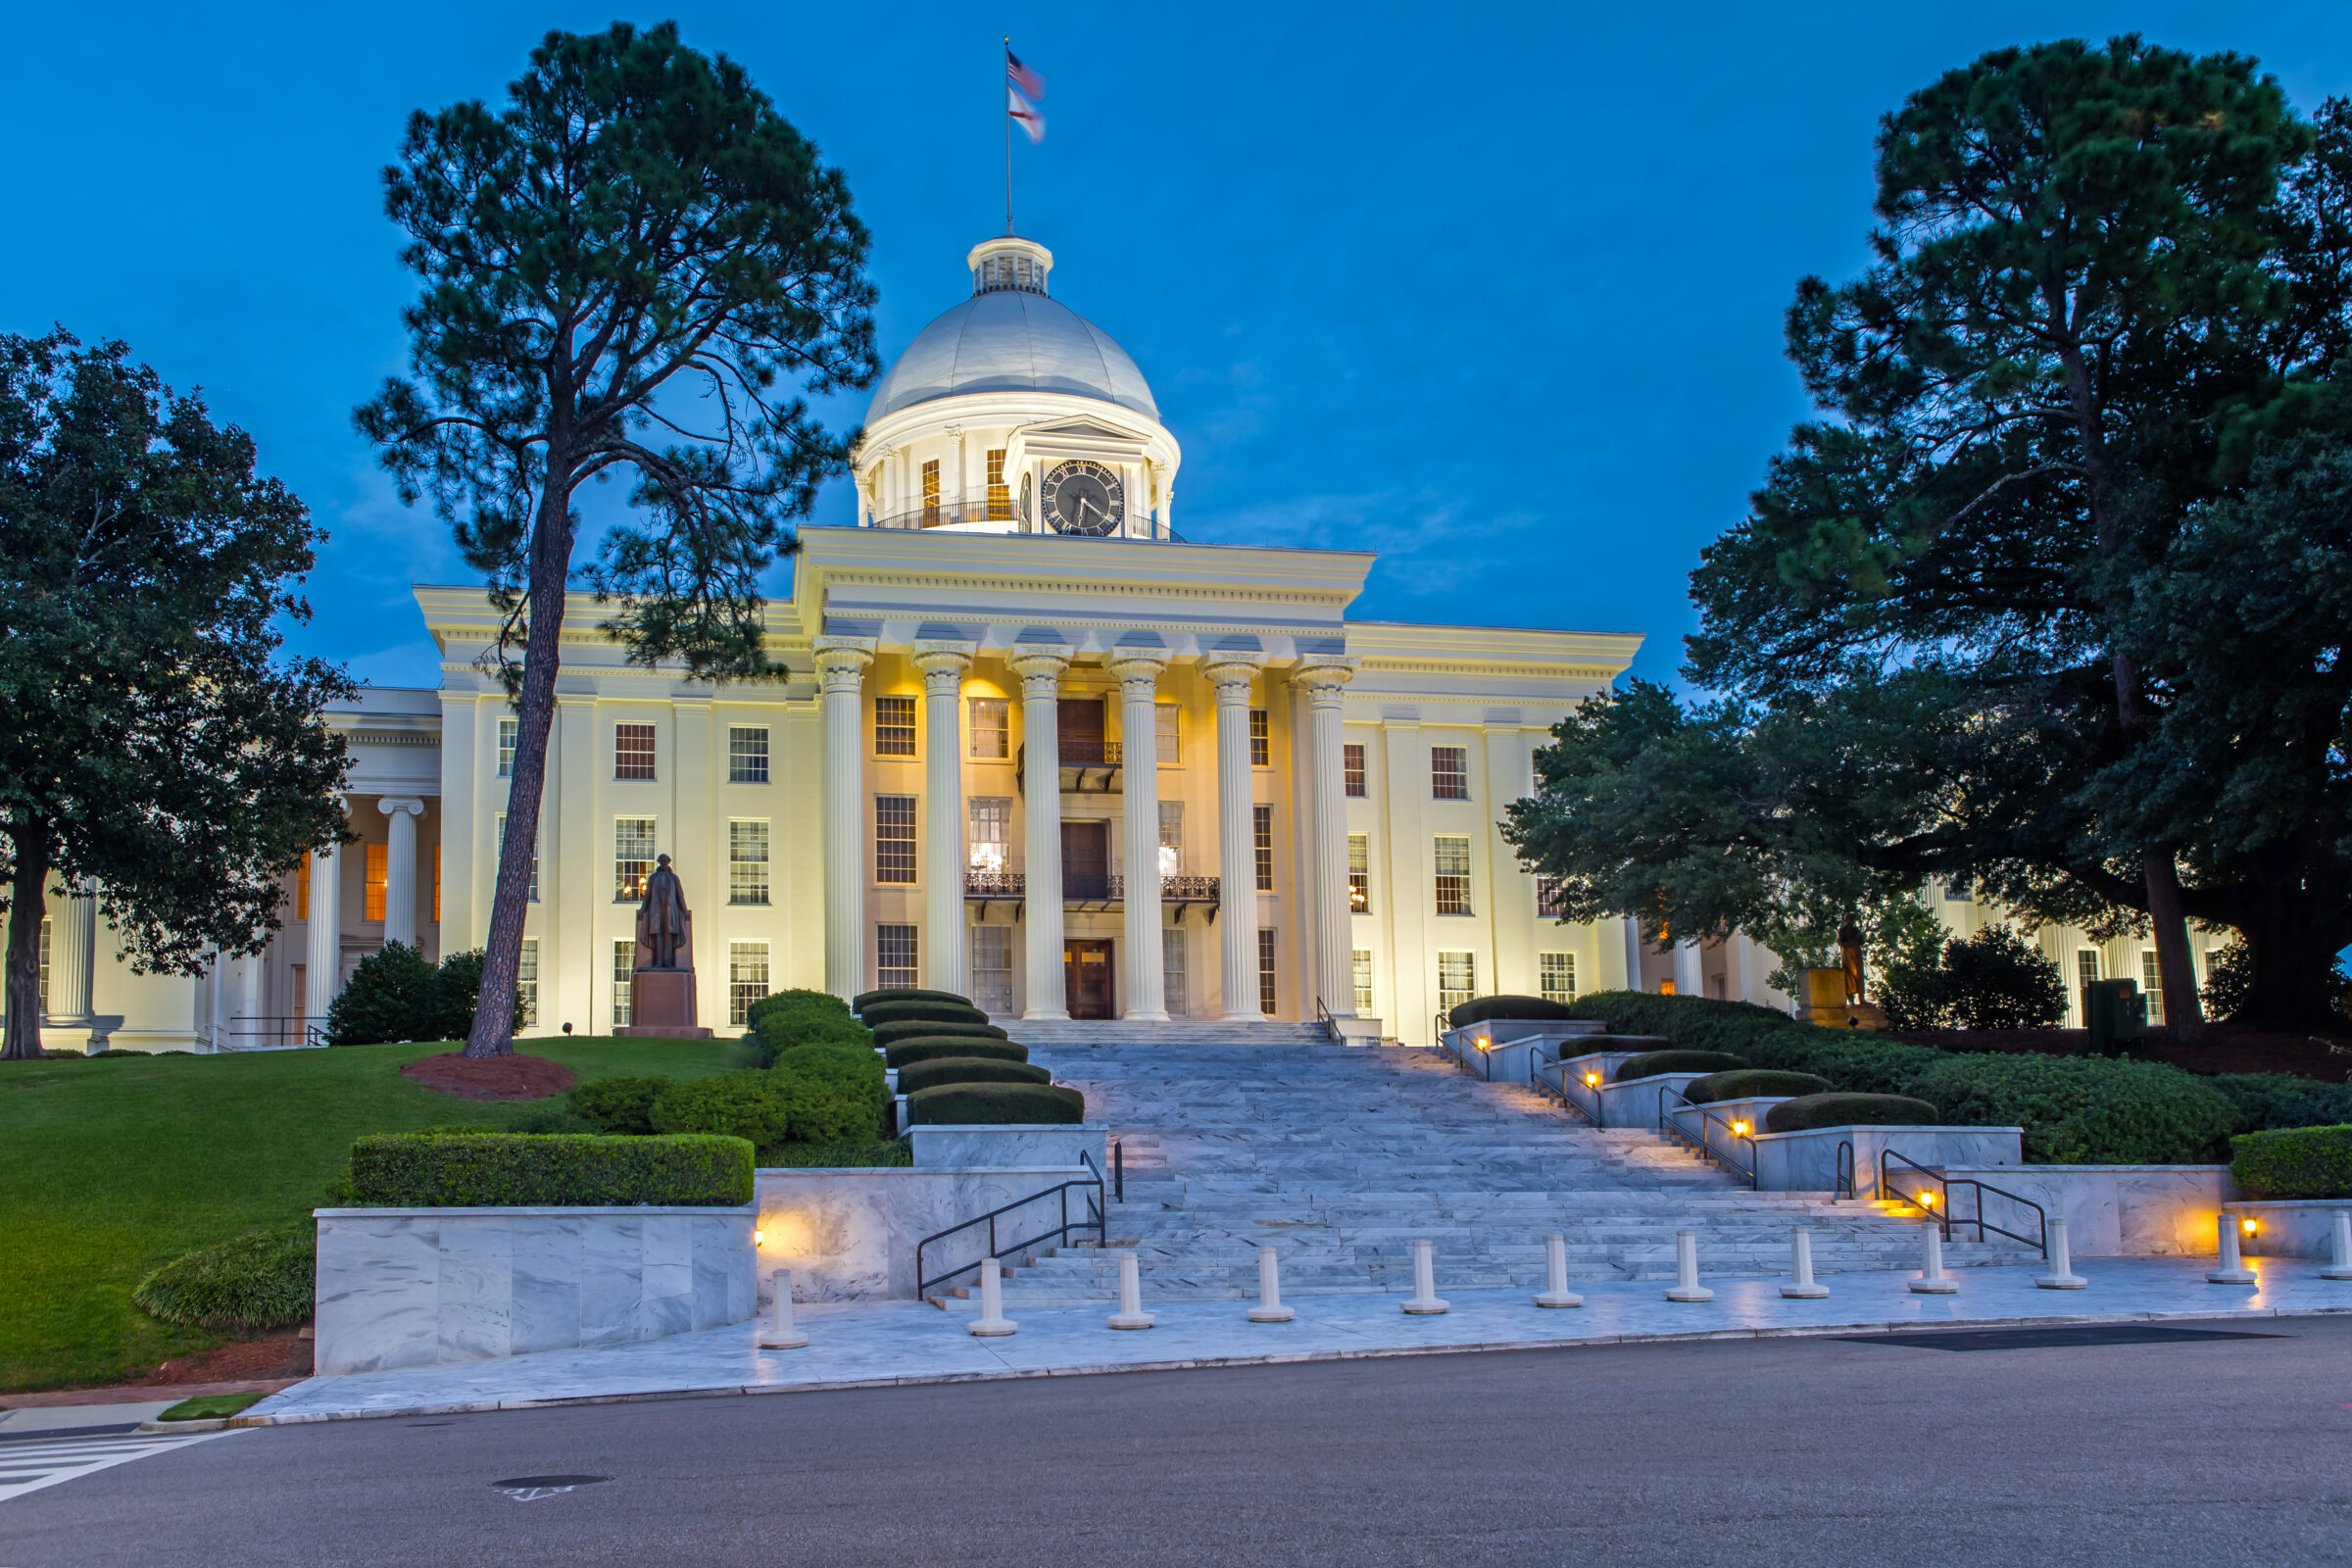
[
  {"x": 1269, "y": 1307},
  {"x": 2341, "y": 1267},
  {"x": 1932, "y": 1280},
  {"x": 1423, "y": 1300},
  {"x": 1131, "y": 1314},
  {"x": 992, "y": 1320},
  {"x": 2062, "y": 1275},
  {"x": 2232, "y": 1269},
  {"x": 781, "y": 1333},
  {"x": 1555, "y": 1275},
  {"x": 1800, "y": 1286},
  {"x": 1686, "y": 1287}
]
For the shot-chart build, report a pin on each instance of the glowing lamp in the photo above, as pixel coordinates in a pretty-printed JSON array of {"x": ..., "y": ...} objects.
[
  {"x": 2249, "y": 1224},
  {"x": 1738, "y": 1129},
  {"x": 1482, "y": 1043},
  {"x": 1926, "y": 1200},
  {"x": 1592, "y": 1080},
  {"x": 759, "y": 1238}
]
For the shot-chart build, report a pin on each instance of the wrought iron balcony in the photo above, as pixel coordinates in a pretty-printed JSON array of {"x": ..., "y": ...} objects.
[
  {"x": 954, "y": 514},
  {"x": 1086, "y": 751},
  {"x": 995, "y": 883}
]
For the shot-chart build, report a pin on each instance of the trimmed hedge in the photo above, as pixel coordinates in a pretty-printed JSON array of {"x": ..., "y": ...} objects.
[
  {"x": 1848, "y": 1111},
  {"x": 878, "y": 1154},
  {"x": 260, "y": 1280},
  {"x": 967, "y": 1070},
  {"x": 1650, "y": 1063},
  {"x": 2295, "y": 1162},
  {"x": 930, "y": 1048},
  {"x": 890, "y": 1034},
  {"x": 621, "y": 1106},
  {"x": 1753, "y": 1083},
  {"x": 996, "y": 1104},
  {"x": 2268, "y": 1100},
  {"x": 867, "y": 999},
  {"x": 767, "y": 1108},
  {"x": 849, "y": 1070},
  {"x": 496, "y": 1170},
  {"x": 882, "y": 1013},
  {"x": 1479, "y": 1009}
]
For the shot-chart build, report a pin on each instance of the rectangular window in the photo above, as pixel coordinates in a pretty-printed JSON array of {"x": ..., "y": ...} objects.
[
  {"x": 1265, "y": 970},
  {"x": 894, "y": 840},
  {"x": 1173, "y": 982},
  {"x": 999, "y": 494},
  {"x": 633, "y": 751},
  {"x": 624, "y": 973},
  {"x": 1457, "y": 979},
  {"x": 526, "y": 982},
  {"x": 992, "y": 739},
  {"x": 510, "y": 733},
  {"x": 1163, "y": 715},
  {"x": 989, "y": 848},
  {"x": 1261, "y": 824},
  {"x": 747, "y": 863},
  {"x": 632, "y": 858},
  {"x": 1261, "y": 747},
  {"x": 1364, "y": 982},
  {"x": 747, "y": 753},
  {"x": 1557, "y": 971},
  {"x": 931, "y": 517},
  {"x": 894, "y": 956},
  {"x": 1171, "y": 838},
  {"x": 502, "y": 850},
  {"x": 44, "y": 986},
  {"x": 746, "y": 979},
  {"x": 1448, "y": 774},
  {"x": 992, "y": 968},
  {"x": 2151, "y": 984},
  {"x": 894, "y": 726},
  {"x": 379, "y": 879},
  {"x": 302, "y": 886},
  {"x": 1359, "y": 873},
  {"x": 1550, "y": 904},
  {"x": 1351, "y": 766},
  {"x": 1450, "y": 854}
]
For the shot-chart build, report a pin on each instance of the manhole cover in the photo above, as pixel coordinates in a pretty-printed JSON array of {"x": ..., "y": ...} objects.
[
  {"x": 527, "y": 1489},
  {"x": 2052, "y": 1338}
]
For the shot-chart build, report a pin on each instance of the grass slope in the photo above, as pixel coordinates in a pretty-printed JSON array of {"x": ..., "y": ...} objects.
[{"x": 109, "y": 1169}]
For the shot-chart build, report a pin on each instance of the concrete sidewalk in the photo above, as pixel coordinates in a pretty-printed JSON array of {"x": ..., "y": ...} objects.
[{"x": 888, "y": 1343}]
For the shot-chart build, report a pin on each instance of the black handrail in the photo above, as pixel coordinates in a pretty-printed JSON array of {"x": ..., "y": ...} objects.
[
  {"x": 1703, "y": 1145},
  {"x": 1942, "y": 1212},
  {"x": 1536, "y": 1068},
  {"x": 1845, "y": 1169},
  {"x": 294, "y": 1033},
  {"x": 1330, "y": 1025},
  {"x": 1093, "y": 1218},
  {"x": 1118, "y": 1171}
]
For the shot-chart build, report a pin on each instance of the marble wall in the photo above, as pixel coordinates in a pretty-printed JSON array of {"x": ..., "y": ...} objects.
[
  {"x": 2297, "y": 1227},
  {"x": 1634, "y": 1101},
  {"x": 1807, "y": 1161},
  {"x": 951, "y": 1145},
  {"x": 850, "y": 1234},
  {"x": 2115, "y": 1210},
  {"x": 412, "y": 1287}
]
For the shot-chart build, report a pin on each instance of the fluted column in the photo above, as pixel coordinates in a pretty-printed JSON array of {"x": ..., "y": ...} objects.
[
  {"x": 322, "y": 973},
  {"x": 1041, "y": 827},
  {"x": 943, "y": 666},
  {"x": 1138, "y": 671},
  {"x": 841, "y": 665},
  {"x": 72, "y": 956},
  {"x": 1335, "y": 976},
  {"x": 1237, "y": 842},
  {"x": 400, "y": 868}
]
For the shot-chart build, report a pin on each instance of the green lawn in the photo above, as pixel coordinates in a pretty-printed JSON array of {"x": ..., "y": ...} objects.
[{"x": 109, "y": 1168}]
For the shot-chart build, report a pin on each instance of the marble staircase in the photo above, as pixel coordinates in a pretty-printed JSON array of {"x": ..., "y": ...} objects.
[{"x": 1340, "y": 1156}]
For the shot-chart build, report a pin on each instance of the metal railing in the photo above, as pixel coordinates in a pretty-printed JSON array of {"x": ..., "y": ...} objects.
[
  {"x": 1703, "y": 1144},
  {"x": 1090, "y": 1218},
  {"x": 1089, "y": 751},
  {"x": 995, "y": 883},
  {"x": 1578, "y": 1095},
  {"x": 1330, "y": 1025},
  {"x": 1118, "y": 1171},
  {"x": 1939, "y": 1208},
  {"x": 945, "y": 513},
  {"x": 1843, "y": 1183},
  {"x": 271, "y": 1034}
]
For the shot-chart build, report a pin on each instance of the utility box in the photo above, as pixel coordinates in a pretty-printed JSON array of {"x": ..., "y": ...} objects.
[{"x": 2116, "y": 1013}]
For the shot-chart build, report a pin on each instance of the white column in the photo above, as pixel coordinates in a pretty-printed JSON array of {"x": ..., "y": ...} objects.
[
  {"x": 72, "y": 956},
  {"x": 943, "y": 666},
  {"x": 1236, "y": 855},
  {"x": 1041, "y": 671},
  {"x": 323, "y": 974},
  {"x": 1632, "y": 929},
  {"x": 400, "y": 868},
  {"x": 1334, "y": 971},
  {"x": 841, "y": 663},
  {"x": 1138, "y": 671},
  {"x": 1689, "y": 972}
]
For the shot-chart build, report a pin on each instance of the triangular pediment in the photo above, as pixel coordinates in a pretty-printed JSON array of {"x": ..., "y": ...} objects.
[{"x": 1081, "y": 427}]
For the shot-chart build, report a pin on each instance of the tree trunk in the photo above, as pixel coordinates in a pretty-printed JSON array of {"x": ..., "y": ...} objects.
[
  {"x": 2176, "y": 970},
  {"x": 29, "y": 903},
  {"x": 2291, "y": 926}
]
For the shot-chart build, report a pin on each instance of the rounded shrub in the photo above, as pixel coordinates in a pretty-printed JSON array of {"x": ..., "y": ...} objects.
[
  {"x": 855, "y": 1072},
  {"x": 1753, "y": 1082},
  {"x": 906, "y": 1052},
  {"x": 1848, "y": 1111},
  {"x": 790, "y": 1019},
  {"x": 867, "y": 999},
  {"x": 622, "y": 1106},
  {"x": 766, "y": 1108},
  {"x": 890, "y": 1034},
  {"x": 996, "y": 1104},
  {"x": 968, "y": 1070},
  {"x": 2084, "y": 1111},
  {"x": 1479, "y": 1009},
  {"x": 2294, "y": 1162},
  {"x": 918, "y": 1011},
  {"x": 260, "y": 1280},
  {"x": 1650, "y": 1063}
]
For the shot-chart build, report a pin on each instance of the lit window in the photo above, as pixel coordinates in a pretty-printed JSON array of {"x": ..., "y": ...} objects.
[
  {"x": 992, "y": 968},
  {"x": 1174, "y": 980},
  {"x": 502, "y": 850},
  {"x": 931, "y": 518},
  {"x": 894, "y": 726},
  {"x": 632, "y": 858},
  {"x": 1359, "y": 873},
  {"x": 1457, "y": 979},
  {"x": 1557, "y": 971},
  {"x": 747, "y": 863},
  {"x": 1364, "y": 982},
  {"x": 1171, "y": 838},
  {"x": 302, "y": 886},
  {"x": 1163, "y": 715},
  {"x": 746, "y": 979},
  {"x": 1550, "y": 903},
  {"x": 989, "y": 848},
  {"x": 1265, "y": 970},
  {"x": 1451, "y": 855},
  {"x": 999, "y": 494},
  {"x": 1261, "y": 749},
  {"x": 2152, "y": 984},
  {"x": 2086, "y": 972},
  {"x": 633, "y": 751},
  {"x": 510, "y": 734},
  {"x": 1262, "y": 824},
  {"x": 624, "y": 980},
  {"x": 526, "y": 982},
  {"x": 1351, "y": 766},
  {"x": 378, "y": 879},
  {"x": 1448, "y": 774},
  {"x": 894, "y": 839},
  {"x": 747, "y": 753},
  {"x": 44, "y": 986},
  {"x": 894, "y": 956},
  {"x": 991, "y": 738}
]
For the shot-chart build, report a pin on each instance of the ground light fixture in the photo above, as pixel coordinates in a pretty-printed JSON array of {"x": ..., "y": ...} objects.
[
  {"x": 2250, "y": 1225},
  {"x": 1738, "y": 1129},
  {"x": 1592, "y": 1080}
]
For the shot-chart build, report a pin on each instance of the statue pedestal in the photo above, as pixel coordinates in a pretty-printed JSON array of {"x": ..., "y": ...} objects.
[
  {"x": 1825, "y": 1004},
  {"x": 662, "y": 1007}
]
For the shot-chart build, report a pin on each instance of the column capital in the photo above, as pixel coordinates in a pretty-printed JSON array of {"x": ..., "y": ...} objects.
[
  {"x": 1324, "y": 674},
  {"x": 943, "y": 663},
  {"x": 1040, "y": 669},
  {"x": 390, "y": 805},
  {"x": 1137, "y": 671},
  {"x": 842, "y": 662},
  {"x": 1231, "y": 674}
]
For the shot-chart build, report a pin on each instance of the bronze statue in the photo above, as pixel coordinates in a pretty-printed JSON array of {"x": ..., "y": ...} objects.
[
  {"x": 1849, "y": 943},
  {"x": 661, "y": 918}
]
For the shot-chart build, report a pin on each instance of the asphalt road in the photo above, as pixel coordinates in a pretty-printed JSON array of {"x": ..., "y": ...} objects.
[{"x": 1812, "y": 1451}]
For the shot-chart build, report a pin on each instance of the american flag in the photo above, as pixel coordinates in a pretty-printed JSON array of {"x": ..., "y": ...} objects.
[{"x": 1022, "y": 77}]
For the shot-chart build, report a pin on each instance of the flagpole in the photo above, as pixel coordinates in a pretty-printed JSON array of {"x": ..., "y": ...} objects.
[{"x": 1008, "y": 149}]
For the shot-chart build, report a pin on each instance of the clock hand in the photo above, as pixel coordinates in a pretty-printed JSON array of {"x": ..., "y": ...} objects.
[{"x": 1085, "y": 504}]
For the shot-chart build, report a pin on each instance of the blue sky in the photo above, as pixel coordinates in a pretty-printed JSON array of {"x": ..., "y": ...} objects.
[{"x": 1492, "y": 290}]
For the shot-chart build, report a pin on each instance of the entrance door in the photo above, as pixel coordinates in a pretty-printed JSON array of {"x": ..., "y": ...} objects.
[
  {"x": 1080, "y": 722},
  {"x": 1086, "y": 862},
  {"x": 1086, "y": 977}
]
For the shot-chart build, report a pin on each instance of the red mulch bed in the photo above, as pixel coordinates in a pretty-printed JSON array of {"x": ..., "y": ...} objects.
[
  {"x": 273, "y": 1356},
  {"x": 2226, "y": 1048},
  {"x": 516, "y": 1077}
]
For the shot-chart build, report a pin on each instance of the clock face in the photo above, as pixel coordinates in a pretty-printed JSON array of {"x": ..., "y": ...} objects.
[{"x": 1084, "y": 498}]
